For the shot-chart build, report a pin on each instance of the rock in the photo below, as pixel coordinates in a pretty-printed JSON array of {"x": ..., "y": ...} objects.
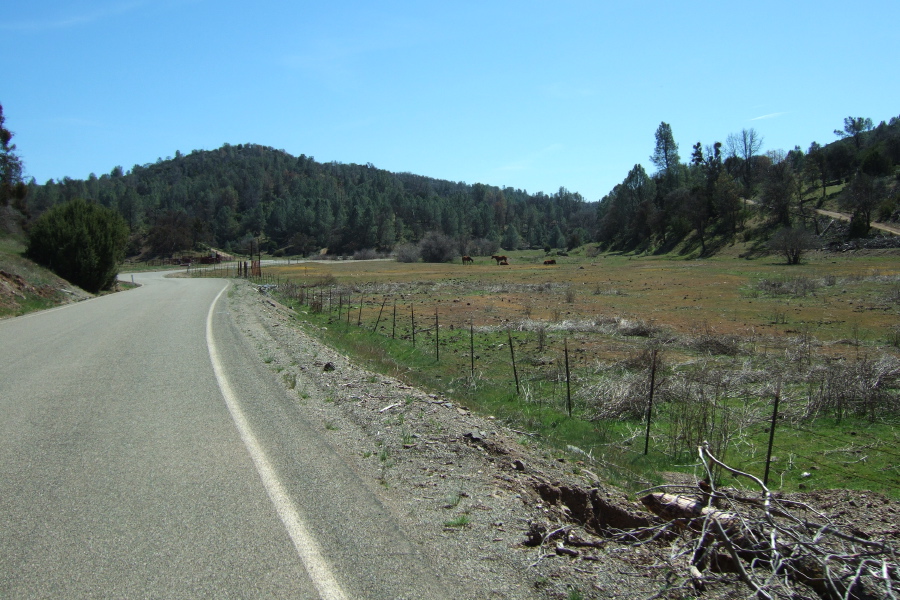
[{"x": 329, "y": 366}]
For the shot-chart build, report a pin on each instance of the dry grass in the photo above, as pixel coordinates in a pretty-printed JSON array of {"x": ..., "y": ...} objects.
[
  {"x": 719, "y": 300},
  {"x": 727, "y": 329}
]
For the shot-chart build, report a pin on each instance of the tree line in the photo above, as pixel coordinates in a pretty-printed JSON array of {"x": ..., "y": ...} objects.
[
  {"x": 712, "y": 194},
  {"x": 228, "y": 196},
  {"x": 242, "y": 196}
]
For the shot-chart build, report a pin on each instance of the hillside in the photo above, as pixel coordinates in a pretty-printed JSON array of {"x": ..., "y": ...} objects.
[
  {"x": 249, "y": 197},
  {"x": 24, "y": 285},
  {"x": 229, "y": 196},
  {"x": 733, "y": 191}
]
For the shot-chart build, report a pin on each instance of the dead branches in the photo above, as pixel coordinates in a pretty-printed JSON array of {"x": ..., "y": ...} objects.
[{"x": 779, "y": 549}]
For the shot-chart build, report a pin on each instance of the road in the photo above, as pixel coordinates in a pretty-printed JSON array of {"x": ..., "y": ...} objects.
[
  {"x": 143, "y": 454},
  {"x": 892, "y": 229}
]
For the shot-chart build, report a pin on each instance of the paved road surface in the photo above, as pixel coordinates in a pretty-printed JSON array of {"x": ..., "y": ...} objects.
[{"x": 126, "y": 471}]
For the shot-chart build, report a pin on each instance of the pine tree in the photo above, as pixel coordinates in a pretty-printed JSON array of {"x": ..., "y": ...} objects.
[{"x": 12, "y": 188}]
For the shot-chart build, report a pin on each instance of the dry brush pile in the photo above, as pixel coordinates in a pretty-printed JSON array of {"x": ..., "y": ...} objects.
[{"x": 777, "y": 547}]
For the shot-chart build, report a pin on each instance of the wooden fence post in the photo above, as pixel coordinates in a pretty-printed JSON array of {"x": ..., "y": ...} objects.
[
  {"x": 375, "y": 329},
  {"x": 472, "y": 345},
  {"x": 650, "y": 399},
  {"x": 772, "y": 430},
  {"x": 437, "y": 343},
  {"x": 512, "y": 353},
  {"x": 412, "y": 311},
  {"x": 568, "y": 386}
]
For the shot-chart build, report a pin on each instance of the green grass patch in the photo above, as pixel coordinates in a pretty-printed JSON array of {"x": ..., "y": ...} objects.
[{"x": 458, "y": 522}]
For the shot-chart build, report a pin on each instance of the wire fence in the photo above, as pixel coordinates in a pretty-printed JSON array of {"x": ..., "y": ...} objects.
[{"x": 452, "y": 336}]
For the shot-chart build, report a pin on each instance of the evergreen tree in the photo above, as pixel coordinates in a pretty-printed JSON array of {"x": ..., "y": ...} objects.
[
  {"x": 854, "y": 127},
  {"x": 665, "y": 155},
  {"x": 12, "y": 188},
  {"x": 80, "y": 241},
  {"x": 511, "y": 239}
]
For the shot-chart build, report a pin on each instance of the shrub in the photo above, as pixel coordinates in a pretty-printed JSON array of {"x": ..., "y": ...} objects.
[
  {"x": 365, "y": 254},
  {"x": 482, "y": 247},
  {"x": 791, "y": 243},
  {"x": 435, "y": 247},
  {"x": 407, "y": 253},
  {"x": 81, "y": 242}
]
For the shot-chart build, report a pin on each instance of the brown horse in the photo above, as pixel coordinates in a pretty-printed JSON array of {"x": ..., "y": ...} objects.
[
  {"x": 468, "y": 260},
  {"x": 503, "y": 262},
  {"x": 499, "y": 258},
  {"x": 550, "y": 261}
]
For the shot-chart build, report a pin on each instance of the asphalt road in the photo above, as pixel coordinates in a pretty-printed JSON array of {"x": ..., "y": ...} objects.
[{"x": 144, "y": 454}]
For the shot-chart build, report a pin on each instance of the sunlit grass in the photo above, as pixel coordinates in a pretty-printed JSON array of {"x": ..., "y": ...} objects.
[{"x": 605, "y": 311}]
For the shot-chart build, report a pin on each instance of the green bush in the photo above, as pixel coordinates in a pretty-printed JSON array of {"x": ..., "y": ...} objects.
[{"x": 81, "y": 242}]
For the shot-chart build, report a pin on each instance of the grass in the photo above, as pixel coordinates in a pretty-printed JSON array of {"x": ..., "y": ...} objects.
[
  {"x": 453, "y": 500},
  {"x": 679, "y": 293},
  {"x": 458, "y": 522},
  {"x": 42, "y": 289},
  {"x": 726, "y": 317}
]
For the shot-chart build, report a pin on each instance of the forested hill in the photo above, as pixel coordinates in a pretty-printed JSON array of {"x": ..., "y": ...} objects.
[
  {"x": 710, "y": 198},
  {"x": 224, "y": 197}
]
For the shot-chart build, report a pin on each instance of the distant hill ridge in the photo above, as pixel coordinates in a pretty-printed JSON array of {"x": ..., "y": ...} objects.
[{"x": 226, "y": 196}]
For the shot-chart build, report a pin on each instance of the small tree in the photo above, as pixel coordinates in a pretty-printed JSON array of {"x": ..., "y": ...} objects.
[
  {"x": 862, "y": 197},
  {"x": 80, "y": 241},
  {"x": 792, "y": 242}
]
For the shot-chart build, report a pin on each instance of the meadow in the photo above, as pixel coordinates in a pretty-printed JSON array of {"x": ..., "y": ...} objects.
[{"x": 566, "y": 354}]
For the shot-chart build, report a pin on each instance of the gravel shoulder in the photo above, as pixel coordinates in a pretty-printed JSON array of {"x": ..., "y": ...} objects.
[
  {"x": 463, "y": 486},
  {"x": 459, "y": 484}
]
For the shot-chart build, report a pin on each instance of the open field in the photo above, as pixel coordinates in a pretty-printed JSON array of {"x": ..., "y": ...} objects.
[
  {"x": 728, "y": 334},
  {"x": 832, "y": 297}
]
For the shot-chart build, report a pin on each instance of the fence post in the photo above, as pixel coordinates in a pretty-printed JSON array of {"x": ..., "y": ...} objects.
[
  {"x": 568, "y": 386},
  {"x": 772, "y": 430},
  {"x": 650, "y": 399},
  {"x": 375, "y": 329},
  {"x": 472, "y": 345},
  {"x": 437, "y": 345},
  {"x": 412, "y": 311},
  {"x": 394, "y": 323},
  {"x": 512, "y": 354}
]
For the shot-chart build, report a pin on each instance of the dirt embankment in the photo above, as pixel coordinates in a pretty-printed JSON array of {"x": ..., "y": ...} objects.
[{"x": 485, "y": 502}]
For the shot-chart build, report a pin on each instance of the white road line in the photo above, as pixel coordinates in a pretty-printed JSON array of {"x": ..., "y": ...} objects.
[{"x": 316, "y": 565}]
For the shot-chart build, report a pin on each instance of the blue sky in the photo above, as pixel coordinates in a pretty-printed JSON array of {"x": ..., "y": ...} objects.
[{"x": 529, "y": 95}]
